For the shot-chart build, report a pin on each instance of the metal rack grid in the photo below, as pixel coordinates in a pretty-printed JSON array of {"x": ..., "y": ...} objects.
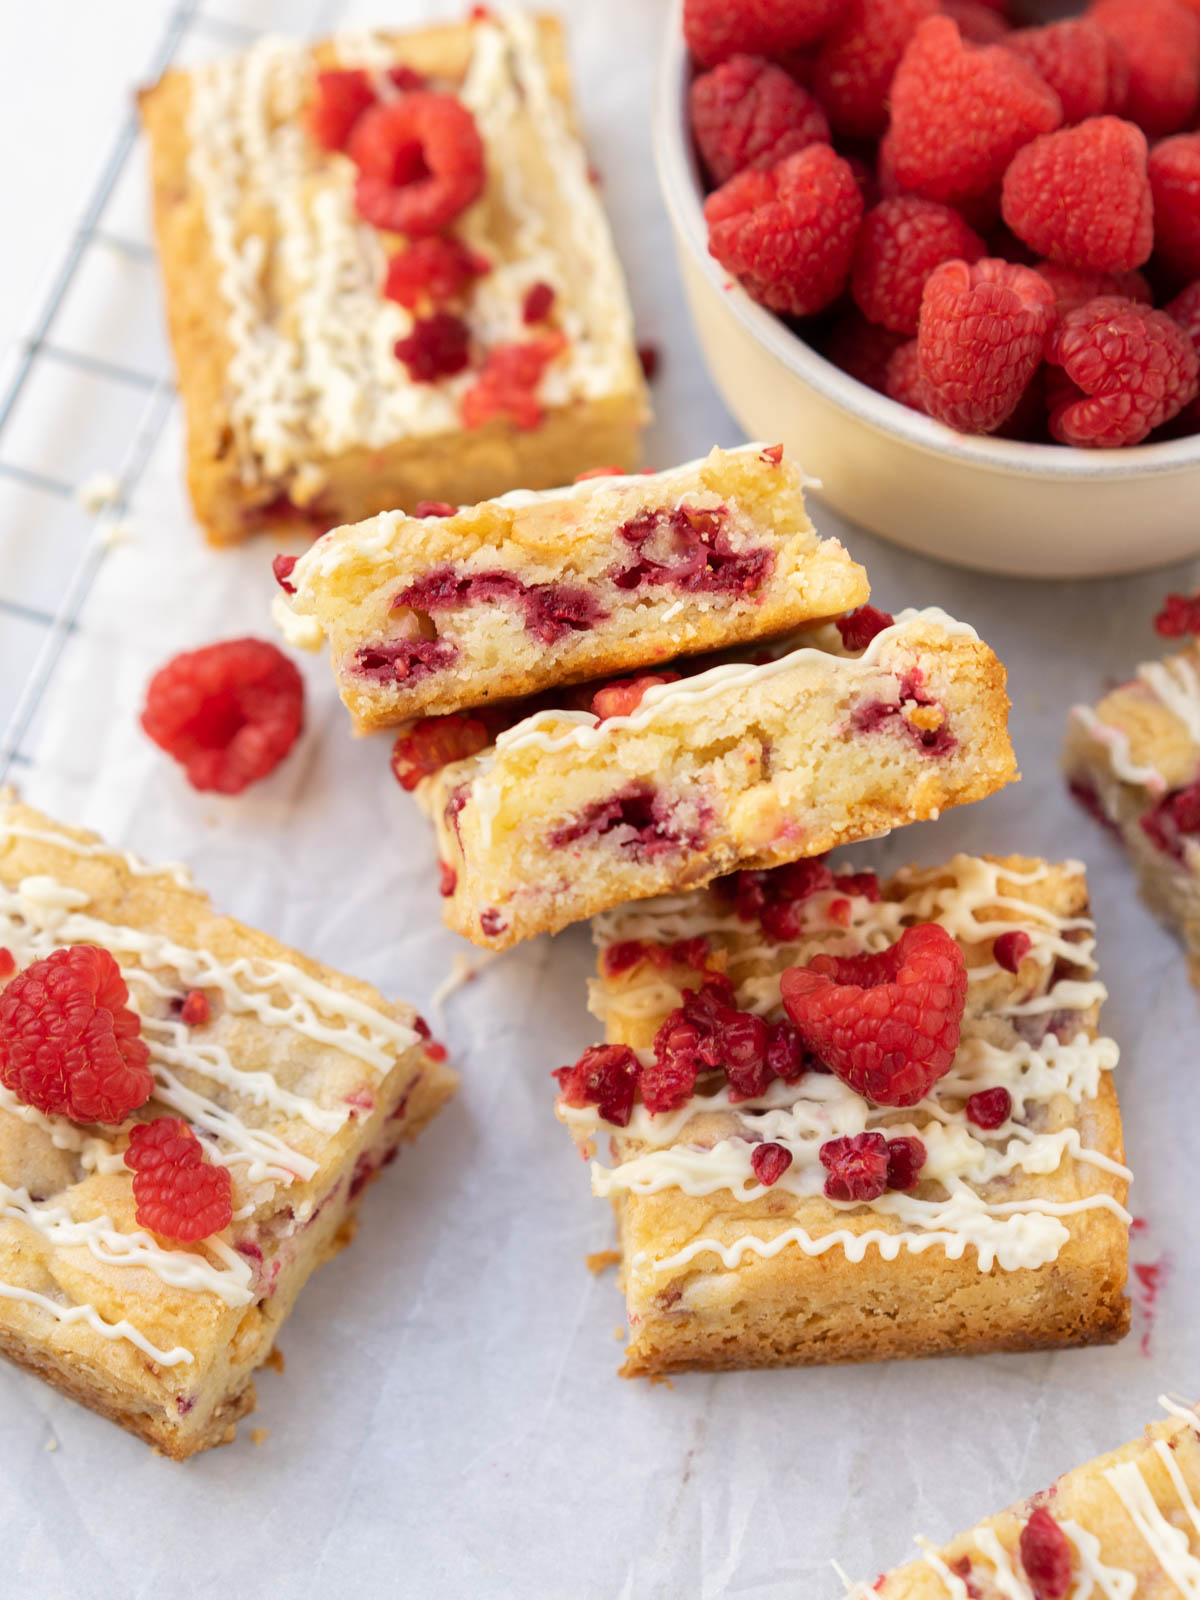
[{"x": 40, "y": 351}]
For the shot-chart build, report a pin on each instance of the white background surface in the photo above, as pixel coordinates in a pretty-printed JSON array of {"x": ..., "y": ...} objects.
[{"x": 450, "y": 1422}]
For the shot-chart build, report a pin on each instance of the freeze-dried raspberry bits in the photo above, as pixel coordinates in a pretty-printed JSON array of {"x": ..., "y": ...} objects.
[
  {"x": 438, "y": 347},
  {"x": 960, "y": 114},
  {"x": 508, "y": 382},
  {"x": 887, "y": 1024},
  {"x": 857, "y": 1167},
  {"x": 715, "y": 29},
  {"x": 622, "y": 698},
  {"x": 69, "y": 1044},
  {"x": 1179, "y": 617},
  {"x": 1160, "y": 42},
  {"x": 1047, "y": 1556},
  {"x": 1137, "y": 369},
  {"x": 177, "y": 1193},
  {"x": 989, "y": 1108},
  {"x": 788, "y": 234},
  {"x": 1074, "y": 286},
  {"x": 228, "y": 713},
  {"x": 1175, "y": 181},
  {"x": 750, "y": 113},
  {"x": 769, "y": 1161},
  {"x": 605, "y": 1076},
  {"x": 1085, "y": 68},
  {"x": 420, "y": 162},
  {"x": 340, "y": 99},
  {"x": 982, "y": 333},
  {"x": 899, "y": 244},
  {"x": 857, "y": 61},
  {"x": 433, "y": 743},
  {"x": 859, "y": 627},
  {"x": 1082, "y": 196},
  {"x": 433, "y": 271}
]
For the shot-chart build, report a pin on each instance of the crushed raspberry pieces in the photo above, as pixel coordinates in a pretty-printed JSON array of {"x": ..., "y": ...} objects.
[
  {"x": 860, "y": 626},
  {"x": 621, "y": 699},
  {"x": 857, "y": 61},
  {"x": 282, "y": 568},
  {"x": 177, "y": 1192},
  {"x": 748, "y": 112},
  {"x": 1010, "y": 949},
  {"x": 447, "y": 879},
  {"x": 629, "y": 953},
  {"x": 605, "y": 1076},
  {"x": 1046, "y": 1555},
  {"x": 715, "y": 29},
  {"x": 551, "y": 610},
  {"x": 857, "y": 1167},
  {"x": 194, "y": 1010},
  {"x": 433, "y": 743},
  {"x": 1137, "y": 369},
  {"x": 899, "y": 244},
  {"x": 228, "y": 713},
  {"x": 1160, "y": 42},
  {"x": 438, "y": 347},
  {"x": 434, "y": 508},
  {"x": 420, "y": 161},
  {"x": 434, "y": 271},
  {"x": 707, "y": 1032},
  {"x": 772, "y": 454},
  {"x": 769, "y": 1162},
  {"x": 1083, "y": 66},
  {"x": 1179, "y": 617},
  {"x": 508, "y": 382},
  {"x": 537, "y": 304},
  {"x": 776, "y": 898},
  {"x": 1174, "y": 167},
  {"x": 788, "y": 234},
  {"x": 69, "y": 1044},
  {"x": 906, "y": 1157},
  {"x": 888, "y": 1024},
  {"x": 989, "y": 1108}
]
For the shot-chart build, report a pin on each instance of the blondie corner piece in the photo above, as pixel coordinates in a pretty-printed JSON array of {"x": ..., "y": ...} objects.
[
  {"x": 1004, "y": 1228},
  {"x": 748, "y": 764},
  {"x": 285, "y": 304},
  {"x": 1126, "y": 1524},
  {"x": 298, "y": 1080},
  {"x": 506, "y": 599},
  {"x": 1134, "y": 761}
]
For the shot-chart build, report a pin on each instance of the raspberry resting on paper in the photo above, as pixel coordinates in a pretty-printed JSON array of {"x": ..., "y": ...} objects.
[
  {"x": 1137, "y": 369},
  {"x": 899, "y": 244},
  {"x": 715, "y": 29},
  {"x": 420, "y": 163},
  {"x": 177, "y": 1192},
  {"x": 748, "y": 112}
]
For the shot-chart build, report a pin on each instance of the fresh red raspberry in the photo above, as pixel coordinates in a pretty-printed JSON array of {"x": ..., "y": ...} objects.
[
  {"x": 1082, "y": 196},
  {"x": 438, "y": 347},
  {"x": 8, "y": 962},
  {"x": 977, "y": 23},
  {"x": 1010, "y": 949},
  {"x": 1079, "y": 61},
  {"x": 1137, "y": 369},
  {"x": 1074, "y": 286},
  {"x": 788, "y": 234},
  {"x": 899, "y": 244},
  {"x": 715, "y": 29},
  {"x": 605, "y": 1076},
  {"x": 960, "y": 114},
  {"x": 857, "y": 1167},
  {"x": 508, "y": 382},
  {"x": 749, "y": 113},
  {"x": 888, "y": 1025},
  {"x": 1160, "y": 40},
  {"x": 857, "y": 62},
  {"x": 177, "y": 1192},
  {"x": 1046, "y": 1555},
  {"x": 341, "y": 98},
  {"x": 861, "y": 349},
  {"x": 433, "y": 743},
  {"x": 621, "y": 699},
  {"x": 989, "y": 1108},
  {"x": 420, "y": 163},
  {"x": 537, "y": 304},
  {"x": 194, "y": 1010},
  {"x": 228, "y": 713},
  {"x": 1175, "y": 181},
  {"x": 282, "y": 567},
  {"x": 906, "y": 1157},
  {"x": 904, "y": 381},
  {"x": 1179, "y": 617},
  {"x": 69, "y": 1044},
  {"x": 982, "y": 333},
  {"x": 769, "y": 1162},
  {"x": 435, "y": 270},
  {"x": 859, "y": 627}
]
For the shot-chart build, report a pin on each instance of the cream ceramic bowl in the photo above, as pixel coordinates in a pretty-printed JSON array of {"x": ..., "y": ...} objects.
[{"x": 1027, "y": 510}]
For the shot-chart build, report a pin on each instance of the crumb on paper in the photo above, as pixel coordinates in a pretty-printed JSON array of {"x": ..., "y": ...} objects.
[
  {"x": 657, "y": 1377},
  {"x": 618, "y": 1333},
  {"x": 600, "y": 1260},
  {"x": 116, "y": 533},
  {"x": 97, "y": 493},
  {"x": 275, "y": 1360},
  {"x": 51, "y": 1443},
  {"x": 259, "y": 1436}
]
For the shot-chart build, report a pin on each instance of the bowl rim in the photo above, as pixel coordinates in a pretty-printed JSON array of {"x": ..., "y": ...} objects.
[{"x": 679, "y": 181}]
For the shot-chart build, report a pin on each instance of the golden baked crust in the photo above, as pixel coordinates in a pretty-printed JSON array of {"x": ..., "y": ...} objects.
[
  {"x": 809, "y": 1302},
  {"x": 573, "y": 540},
  {"x": 303, "y": 1082},
  {"x": 235, "y": 490}
]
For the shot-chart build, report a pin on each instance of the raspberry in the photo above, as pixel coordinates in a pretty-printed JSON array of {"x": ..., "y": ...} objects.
[
  {"x": 776, "y": 899},
  {"x": 447, "y": 879},
  {"x": 982, "y": 332},
  {"x": 1160, "y": 40},
  {"x": 861, "y": 349},
  {"x": 671, "y": 1077},
  {"x": 434, "y": 270},
  {"x": 977, "y": 23},
  {"x": 1082, "y": 196},
  {"x": 228, "y": 713},
  {"x": 1179, "y": 617},
  {"x": 989, "y": 1108},
  {"x": 857, "y": 1167},
  {"x": 1176, "y": 814},
  {"x": 282, "y": 567},
  {"x": 785, "y": 1053},
  {"x": 194, "y": 1010},
  {"x": 507, "y": 385},
  {"x": 904, "y": 381},
  {"x": 706, "y": 1031},
  {"x": 8, "y": 962},
  {"x": 906, "y": 1157},
  {"x": 537, "y": 304},
  {"x": 433, "y": 508},
  {"x": 420, "y": 163},
  {"x": 1010, "y": 949},
  {"x": 69, "y": 1044},
  {"x": 1175, "y": 181},
  {"x": 750, "y": 113},
  {"x": 857, "y": 62},
  {"x": 770, "y": 1161},
  {"x": 960, "y": 114},
  {"x": 1046, "y": 1555},
  {"x": 433, "y": 743},
  {"x": 715, "y": 29},
  {"x": 1137, "y": 369},
  {"x": 340, "y": 100},
  {"x": 621, "y": 699},
  {"x": 788, "y": 234},
  {"x": 177, "y": 1192},
  {"x": 1073, "y": 286},
  {"x": 438, "y": 347},
  {"x": 865, "y": 884},
  {"x": 899, "y": 244},
  {"x": 860, "y": 626},
  {"x": 1079, "y": 61},
  {"x": 887, "y": 1024},
  {"x": 605, "y": 1076}
]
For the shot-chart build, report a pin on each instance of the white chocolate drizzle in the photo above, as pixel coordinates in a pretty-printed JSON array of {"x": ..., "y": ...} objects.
[
  {"x": 106, "y": 1330},
  {"x": 1174, "y": 682},
  {"x": 1116, "y": 742},
  {"x": 1168, "y": 1543}
]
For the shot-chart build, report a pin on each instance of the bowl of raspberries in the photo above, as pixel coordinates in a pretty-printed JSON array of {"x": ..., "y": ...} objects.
[{"x": 950, "y": 255}]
